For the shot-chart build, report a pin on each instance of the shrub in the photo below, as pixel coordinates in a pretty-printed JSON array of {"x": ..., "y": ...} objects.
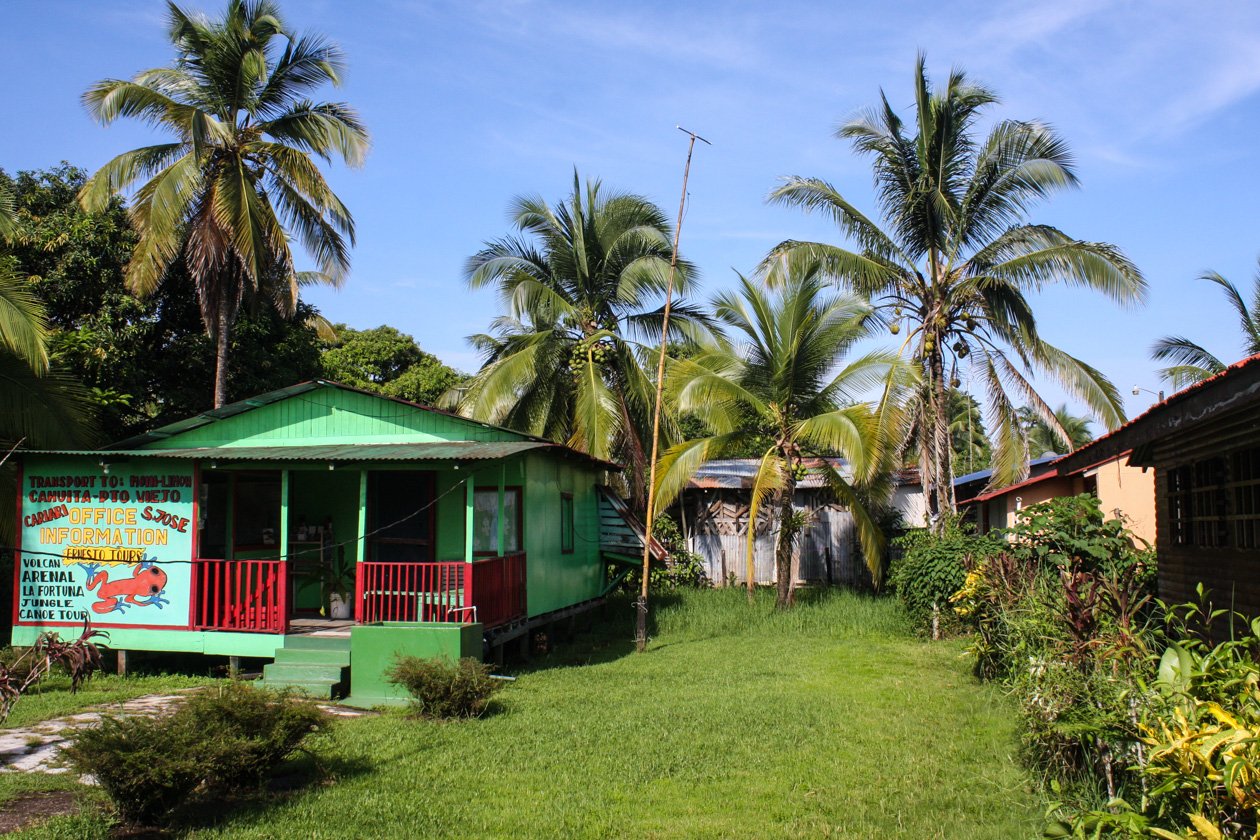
[
  {"x": 1071, "y": 533},
  {"x": 933, "y": 567},
  {"x": 686, "y": 569},
  {"x": 249, "y": 732},
  {"x": 232, "y": 738},
  {"x": 443, "y": 689},
  {"x": 146, "y": 766}
]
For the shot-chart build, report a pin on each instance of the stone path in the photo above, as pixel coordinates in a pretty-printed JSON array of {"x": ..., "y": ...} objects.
[{"x": 36, "y": 748}]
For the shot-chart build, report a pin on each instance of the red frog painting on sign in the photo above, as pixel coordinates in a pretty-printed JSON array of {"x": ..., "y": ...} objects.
[{"x": 143, "y": 589}]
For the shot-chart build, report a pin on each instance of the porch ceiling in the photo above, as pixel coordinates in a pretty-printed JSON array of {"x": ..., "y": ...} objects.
[{"x": 456, "y": 450}]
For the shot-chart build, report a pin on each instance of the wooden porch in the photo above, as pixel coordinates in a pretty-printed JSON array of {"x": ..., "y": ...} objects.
[{"x": 255, "y": 596}]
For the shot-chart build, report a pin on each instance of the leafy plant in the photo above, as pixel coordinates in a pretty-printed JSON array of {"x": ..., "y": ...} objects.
[
  {"x": 247, "y": 733},
  {"x": 933, "y": 567},
  {"x": 146, "y": 766},
  {"x": 1070, "y": 532},
  {"x": 79, "y": 658},
  {"x": 335, "y": 577},
  {"x": 232, "y": 738},
  {"x": 443, "y": 689}
]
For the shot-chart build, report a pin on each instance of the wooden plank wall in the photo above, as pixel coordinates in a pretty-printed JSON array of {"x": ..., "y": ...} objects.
[{"x": 1232, "y": 574}]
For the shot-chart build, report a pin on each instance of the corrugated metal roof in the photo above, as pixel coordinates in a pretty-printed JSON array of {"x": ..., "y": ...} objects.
[
  {"x": 242, "y": 406},
  {"x": 1114, "y": 445},
  {"x": 979, "y": 474},
  {"x": 455, "y": 450},
  {"x": 739, "y": 473}
]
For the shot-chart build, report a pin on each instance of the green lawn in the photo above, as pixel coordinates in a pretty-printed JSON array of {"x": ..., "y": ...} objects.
[
  {"x": 739, "y": 722},
  {"x": 52, "y": 698}
]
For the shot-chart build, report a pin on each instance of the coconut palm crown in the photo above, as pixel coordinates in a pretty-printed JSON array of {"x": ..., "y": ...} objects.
[
  {"x": 955, "y": 259},
  {"x": 781, "y": 372},
  {"x": 580, "y": 284},
  {"x": 1044, "y": 439},
  {"x": 1190, "y": 362},
  {"x": 238, "y": 176}
]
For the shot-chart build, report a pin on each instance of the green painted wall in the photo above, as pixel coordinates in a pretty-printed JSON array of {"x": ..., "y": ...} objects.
[
  {"x": 557, "y": 580},
  {"x": 333, "y": 416},
  {"x": 216, "y": 643},
  {"x": 449, "y": 531},
  {"x": 375, "y": 647}
]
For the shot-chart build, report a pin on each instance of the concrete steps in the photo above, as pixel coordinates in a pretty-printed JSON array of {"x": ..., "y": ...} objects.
[{"x": 318, "y": 666}]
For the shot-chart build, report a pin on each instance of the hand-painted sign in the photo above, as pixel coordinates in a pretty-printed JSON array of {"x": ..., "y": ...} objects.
[{"x": 110, "y": 544}]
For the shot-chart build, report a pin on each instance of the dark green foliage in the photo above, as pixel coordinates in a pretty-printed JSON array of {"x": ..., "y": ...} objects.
[
  {"x": 443, "y": 689},
  {"x": 388, "y": 362},
  {"x": 249, "y": 732},
  {"x": 230, "y": 739},
  {"x": 143, "y": 361},
  {"x": 685, "y": 570},
  {"x": 146, "y": 766},
  {"x": 933, "y": 567},
  {"x": 1070, "y": 532}
]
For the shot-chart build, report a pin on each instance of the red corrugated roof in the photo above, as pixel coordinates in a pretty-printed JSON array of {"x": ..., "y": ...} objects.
[{"x": 1170, "y": 400}]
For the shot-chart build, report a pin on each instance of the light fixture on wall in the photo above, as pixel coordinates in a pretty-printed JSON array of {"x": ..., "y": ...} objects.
[
  {"x": 1137, "y": 390},
  {"x": 104, "y": 467}
]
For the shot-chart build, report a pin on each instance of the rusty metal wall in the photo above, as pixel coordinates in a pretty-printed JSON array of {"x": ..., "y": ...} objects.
[{"x": 827, "y": 549}]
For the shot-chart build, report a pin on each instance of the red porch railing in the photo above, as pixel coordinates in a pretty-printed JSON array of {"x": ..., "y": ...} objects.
[
  {"x": 410, "y": 592},
  {"x": 498, "y": 588},
  {"x": 243, "y": 595},
  {"x": 441, "y": 591}
]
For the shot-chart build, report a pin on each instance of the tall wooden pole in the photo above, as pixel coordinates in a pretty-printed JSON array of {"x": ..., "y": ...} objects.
[{"x": 640, "y": 634}]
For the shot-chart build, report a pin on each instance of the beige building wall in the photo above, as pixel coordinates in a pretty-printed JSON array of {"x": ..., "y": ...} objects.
[
  {"x": 1131, "y": 491},
  {"x": 1042, "y": 491},
  {"x": 1122, "y": 490}
]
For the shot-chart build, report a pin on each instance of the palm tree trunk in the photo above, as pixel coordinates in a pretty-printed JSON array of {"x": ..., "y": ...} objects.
[
  {"x": 783, "y": 550},
  {"x": 229, "y": 303},
  {"x": 941, "y": 498},
  {"x": 221, "y": 354}
]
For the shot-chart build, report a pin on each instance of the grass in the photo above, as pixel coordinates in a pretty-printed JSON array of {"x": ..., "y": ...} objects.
[
  {"x": 52, "y": 698},
  {"x": 828, "y": 721}
]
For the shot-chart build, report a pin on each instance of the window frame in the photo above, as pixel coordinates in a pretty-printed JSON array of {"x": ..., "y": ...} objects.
[
  {"x": 429, "y": 477},
  {"x": 568, "y": 530},
  {"x": 520, "y": 518}
]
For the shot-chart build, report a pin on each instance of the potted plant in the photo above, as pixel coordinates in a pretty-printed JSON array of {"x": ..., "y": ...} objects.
[{"x": 335, "y": 580}]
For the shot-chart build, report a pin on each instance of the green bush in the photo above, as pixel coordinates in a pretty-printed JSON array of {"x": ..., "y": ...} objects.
[
  {"x": 146, "y": 766},
  {"x": 249, "y": 732},
  {"x": 443, "y": 689},
  {"x": 933, "y": 567},
  {"x": 1071, "y": 533},
  {"x": 232, "y": 738}
]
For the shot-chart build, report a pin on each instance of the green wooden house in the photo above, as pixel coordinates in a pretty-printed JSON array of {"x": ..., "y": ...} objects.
[{"x": 323, "y": 526}]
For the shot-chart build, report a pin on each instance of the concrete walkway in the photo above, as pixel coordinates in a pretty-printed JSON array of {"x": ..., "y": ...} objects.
[{"x": 36, "y": 748}]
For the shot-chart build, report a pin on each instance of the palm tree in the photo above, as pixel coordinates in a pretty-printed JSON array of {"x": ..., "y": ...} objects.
[
  {"x": 1190, "y": 362},
  {"x": 969, "y": 445},
  {"x": 577, "y": 283},
  {"x": 239, "y": 170},
  {"x": 1068, "y": 435},
  {"x": 955, "y": 259},
  {"x": 39, "y": 407},
  {"x": 783, "y": 374}
]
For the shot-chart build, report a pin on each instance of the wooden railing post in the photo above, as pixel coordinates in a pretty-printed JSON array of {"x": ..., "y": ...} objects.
[{"x": 359, "y": 591}]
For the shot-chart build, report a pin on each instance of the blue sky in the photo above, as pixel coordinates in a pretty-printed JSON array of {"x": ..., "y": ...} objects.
[{"x": 471, "y": 103}]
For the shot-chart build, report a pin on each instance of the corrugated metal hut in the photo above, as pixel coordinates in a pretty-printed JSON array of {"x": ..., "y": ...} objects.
[{"x": 713, "y": 512}]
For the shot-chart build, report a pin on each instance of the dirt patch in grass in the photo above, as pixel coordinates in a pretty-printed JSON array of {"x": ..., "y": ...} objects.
[{"x": 23, "y": 810}]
